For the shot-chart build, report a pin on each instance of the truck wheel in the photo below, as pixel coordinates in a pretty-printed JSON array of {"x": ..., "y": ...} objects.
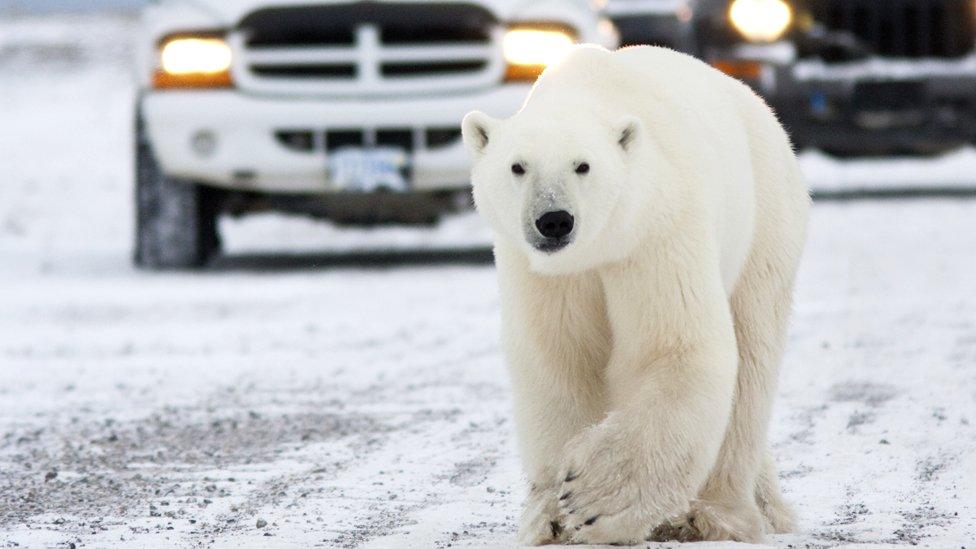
[{"x": 176, "y": 220}]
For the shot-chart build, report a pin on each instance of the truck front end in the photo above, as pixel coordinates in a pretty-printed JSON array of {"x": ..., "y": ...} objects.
[
  {"x": 345, "y": 110},
  {"x": 853, "y": 77}
]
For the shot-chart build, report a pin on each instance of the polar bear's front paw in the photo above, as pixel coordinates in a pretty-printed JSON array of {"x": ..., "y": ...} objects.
[
  {"x": 540, "y": 523},
  {"x": 603, "y": 490},
  {"x": 712, "y": 521}
]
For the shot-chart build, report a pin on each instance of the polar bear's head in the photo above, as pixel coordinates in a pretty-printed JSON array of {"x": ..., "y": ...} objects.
[{"x": 569, "y": 191}]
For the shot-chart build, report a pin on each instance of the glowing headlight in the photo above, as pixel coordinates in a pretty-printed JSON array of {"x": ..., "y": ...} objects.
[
  {"x": 529, "y": 50},
  {"x": 195, "y": 55},
  {"x": 761, "y": 20},
  {"x": 194, "y": 62}
]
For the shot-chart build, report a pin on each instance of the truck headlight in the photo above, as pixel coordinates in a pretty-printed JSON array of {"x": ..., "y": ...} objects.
[
  {"x": 193, "y": 62},
  {"x": 528, "y": 50},
  {"x": 761, "y": 20}
]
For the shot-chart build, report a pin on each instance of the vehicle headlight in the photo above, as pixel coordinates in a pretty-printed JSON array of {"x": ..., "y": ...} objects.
[
  {"x": 528, "y": 50},
  {"x": 761, "y": 20},
  {"x": 193, "y": 62}
]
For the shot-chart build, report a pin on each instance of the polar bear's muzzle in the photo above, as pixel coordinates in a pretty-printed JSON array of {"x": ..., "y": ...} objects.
[
  {"x": 551, "y": 231},
  {"x": 548, "y": 219}
]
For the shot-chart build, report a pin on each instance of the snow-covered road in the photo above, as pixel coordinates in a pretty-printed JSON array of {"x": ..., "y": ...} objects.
[{"x": 367, "y": 407}]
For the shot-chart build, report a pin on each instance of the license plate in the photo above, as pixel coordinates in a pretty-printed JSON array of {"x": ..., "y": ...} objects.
[
  {"x": 367, "y": 170},
  {"x": 889, "y": 96}
]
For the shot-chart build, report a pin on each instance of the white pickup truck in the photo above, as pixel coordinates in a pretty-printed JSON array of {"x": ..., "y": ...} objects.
[{"x": 344, "y": 110}]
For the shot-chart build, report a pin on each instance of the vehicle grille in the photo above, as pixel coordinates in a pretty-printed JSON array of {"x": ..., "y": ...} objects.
[
  {"x": 407, "y": 139},
  {"x": 367, "y": 48},
  {"x": 902, "y": 28}
]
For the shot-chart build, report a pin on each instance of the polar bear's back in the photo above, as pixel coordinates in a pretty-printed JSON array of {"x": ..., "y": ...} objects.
[
  {"x": 685, "y": 105},
  {"x": 636, "y": 80},
  {"x": 677, "y": 95}
]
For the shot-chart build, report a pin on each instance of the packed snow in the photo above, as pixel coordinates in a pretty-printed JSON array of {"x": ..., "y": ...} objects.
[{"x": 320, "y": 402}]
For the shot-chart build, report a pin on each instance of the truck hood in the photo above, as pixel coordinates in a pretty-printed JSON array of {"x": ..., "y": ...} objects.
[{"x": 229, "y": 12}]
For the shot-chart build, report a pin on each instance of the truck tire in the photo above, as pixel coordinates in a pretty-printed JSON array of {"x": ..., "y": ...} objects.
[{"x": 176, "y": 220}]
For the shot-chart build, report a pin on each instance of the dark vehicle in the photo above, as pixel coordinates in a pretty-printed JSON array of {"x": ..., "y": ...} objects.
[
  {"x": 852, "y": 77},
  {"x": 655, "y": 22}
]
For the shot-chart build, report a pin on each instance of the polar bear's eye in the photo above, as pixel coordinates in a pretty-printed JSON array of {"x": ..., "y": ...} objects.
[
  {"x": 583, "y": 168},
  {"x": 518, "y": 169}
]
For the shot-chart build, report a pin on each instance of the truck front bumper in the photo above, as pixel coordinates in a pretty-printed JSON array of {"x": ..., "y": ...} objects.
[
  {"x": 229, "y": 139},
  {"x": 875, "y": 106}
]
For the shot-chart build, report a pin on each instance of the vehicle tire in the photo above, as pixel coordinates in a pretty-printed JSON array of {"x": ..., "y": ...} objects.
[{"x": 176, "y": 220}]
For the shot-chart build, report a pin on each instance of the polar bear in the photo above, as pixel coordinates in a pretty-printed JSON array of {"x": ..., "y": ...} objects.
[{"x": 649, "y": 215}]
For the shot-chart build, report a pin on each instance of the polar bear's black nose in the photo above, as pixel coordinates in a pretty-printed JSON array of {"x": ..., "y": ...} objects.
[{"x": 555, "y": 224}]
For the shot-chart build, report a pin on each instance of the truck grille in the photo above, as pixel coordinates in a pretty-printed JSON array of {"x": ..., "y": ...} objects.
[
  {"x": 903, "y": 28},
  {"x": 367, "y": 48},
  {"x": 407, "y": 139}
]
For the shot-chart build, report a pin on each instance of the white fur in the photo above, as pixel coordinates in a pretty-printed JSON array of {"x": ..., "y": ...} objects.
[{"x": 644, "y": 354}]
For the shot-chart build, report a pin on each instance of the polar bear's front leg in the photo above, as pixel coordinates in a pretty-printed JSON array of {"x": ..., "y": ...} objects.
[
  {"x": 557, "y": 343},
  {"x": 671, "y": 379}
]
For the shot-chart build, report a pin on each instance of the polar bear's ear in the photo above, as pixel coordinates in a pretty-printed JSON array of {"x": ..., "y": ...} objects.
[
  {"x": 627, "y": 131},
  {"x": 476, "y": 128}
]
